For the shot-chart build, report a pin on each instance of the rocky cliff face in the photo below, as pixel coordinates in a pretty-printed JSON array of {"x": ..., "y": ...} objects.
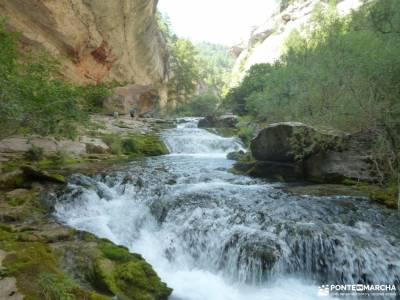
[
  {"x": 266, "y": 42},
  {"x": 96, "y": 40}
]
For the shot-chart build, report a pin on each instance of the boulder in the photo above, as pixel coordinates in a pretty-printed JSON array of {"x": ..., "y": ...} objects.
[
  {"x": 315, "y": 155},
  {"x": 19, "y": 144},
  {"x": 35, "y": 174},
  {"x": 94, "y": 145},
  {"x": 225, "y": 121},
  {"x": 337, "y": 166},
  {"x": 239, "y": 156},
  {"x": 277, "y": 142}
]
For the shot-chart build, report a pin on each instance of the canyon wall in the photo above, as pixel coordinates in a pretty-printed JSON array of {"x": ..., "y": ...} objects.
[
  {"x": 95, "y": 40},
  {"x": 266, "y": 42}
]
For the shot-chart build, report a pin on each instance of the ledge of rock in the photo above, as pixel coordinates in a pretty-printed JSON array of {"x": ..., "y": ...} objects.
[
  {"x": 225, "y": 121},
  {"x": 321, "y": 156}
]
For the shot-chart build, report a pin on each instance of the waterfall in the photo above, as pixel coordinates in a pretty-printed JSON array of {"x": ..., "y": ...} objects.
[{"x": 214, "y": 235}]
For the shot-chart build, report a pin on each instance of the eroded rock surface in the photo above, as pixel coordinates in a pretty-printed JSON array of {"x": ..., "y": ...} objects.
[{"x": 95, "y": 40}]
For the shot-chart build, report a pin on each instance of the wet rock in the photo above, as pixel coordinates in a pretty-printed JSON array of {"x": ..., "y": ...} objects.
[
  {"x": 36, "y": 174},
  {"x": 277, "y": 142},
  {"x": 270, "y": 170},
  {"x": 9, "y": 290},
  {"x": 226, "y": 121},
  {"x": 320, "y": 155},
  {"x": 95, "y": 146},
  {"x": 325, "y": 190},
  {"x": 338, "y": 166},
  {"x": 239, "y": 156}
]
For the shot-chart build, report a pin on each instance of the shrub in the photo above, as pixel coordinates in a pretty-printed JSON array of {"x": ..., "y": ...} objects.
[
  {"x": 129, "y": 146},
  {"x": 53, "y": 287},
  {"x": 34, "y": 154},
  {"x": 199, "y": 106},
  {"x": 343, "y": 72},
  {"x": 33, "y": 97}
]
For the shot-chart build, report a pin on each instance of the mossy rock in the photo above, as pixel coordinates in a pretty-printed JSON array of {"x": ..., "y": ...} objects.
[
  {"x": 269, "y": 170},
  {"x": 37, "y": 174},
  {"x": 127, "y": 275},
  {"x": 11, "y": 179},
  {"x": 137, "y": 280},
  {"x": 136, "y": 145},
  {"x": 386, "y": 195}
]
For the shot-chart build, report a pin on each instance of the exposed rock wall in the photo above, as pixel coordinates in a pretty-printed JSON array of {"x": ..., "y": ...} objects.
[
  {"x": 96, "y": 40},
  {"x": 266, "y": 43}
]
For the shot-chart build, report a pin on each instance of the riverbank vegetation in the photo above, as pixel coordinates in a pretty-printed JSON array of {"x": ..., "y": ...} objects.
[
  {"x": 199, "y": 73},
  {"x": 343, "y": 73},
  {"x": 35, "y": 99}
]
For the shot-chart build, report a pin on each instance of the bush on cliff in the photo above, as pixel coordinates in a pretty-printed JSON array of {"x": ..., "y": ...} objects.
[{"x": 34, "y": 98}]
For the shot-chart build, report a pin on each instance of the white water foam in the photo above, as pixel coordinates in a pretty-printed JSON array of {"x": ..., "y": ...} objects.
[{"x": 125, "y": 218}]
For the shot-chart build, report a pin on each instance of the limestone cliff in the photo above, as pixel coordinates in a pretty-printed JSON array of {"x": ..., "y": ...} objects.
[
  {"x": 266, "y": 42},
  {"x": 96, "y": 40}
]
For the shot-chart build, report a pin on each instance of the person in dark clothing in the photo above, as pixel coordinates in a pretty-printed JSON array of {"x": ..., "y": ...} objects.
[{"x": 132, "y": 112}]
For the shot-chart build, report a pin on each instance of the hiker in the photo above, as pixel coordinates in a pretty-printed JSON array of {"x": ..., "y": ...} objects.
[{"x": 133, "y": 111}]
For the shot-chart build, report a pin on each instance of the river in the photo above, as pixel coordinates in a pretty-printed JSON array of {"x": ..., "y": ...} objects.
[{"x": 213, "y": 235}]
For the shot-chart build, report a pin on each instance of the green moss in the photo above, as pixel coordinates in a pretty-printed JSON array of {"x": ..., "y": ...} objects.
[
  {"x": 95, "y": 296},
  {"x": 25, "y": 261},
  {"x": 53, "y": 286},
  {"x": 126, "y": 275},
  {"x": 135, "y": 145},
  {"x": 115, "y": 253},
  {"x": 103, "y": 279},
  {"x": 386, "y": 195},
  {"x": 138, "y": 281},
  {"x": 14, "y": 201}
]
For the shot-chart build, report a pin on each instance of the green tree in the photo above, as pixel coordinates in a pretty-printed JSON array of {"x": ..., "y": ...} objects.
[
  {"x": 34, "y": 98},
  {"x": 343, "y": 72}
]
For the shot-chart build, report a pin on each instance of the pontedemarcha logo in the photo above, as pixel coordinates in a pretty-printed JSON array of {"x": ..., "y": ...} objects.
[{"x": 323, "y": 290}]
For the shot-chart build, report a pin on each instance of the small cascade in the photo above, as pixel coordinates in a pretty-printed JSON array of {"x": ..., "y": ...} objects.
[
  {"x": 190, "y": 140},
  {"x": 214, "y": 235}
]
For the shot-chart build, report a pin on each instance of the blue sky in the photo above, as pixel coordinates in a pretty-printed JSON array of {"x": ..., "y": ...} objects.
[{"x": 217, "y": 21}]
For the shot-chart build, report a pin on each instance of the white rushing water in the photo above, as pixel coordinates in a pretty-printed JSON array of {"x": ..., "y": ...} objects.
[{"x": 209, "y": 234}]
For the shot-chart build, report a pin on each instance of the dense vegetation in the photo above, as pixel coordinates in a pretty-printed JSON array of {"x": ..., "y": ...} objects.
[
  {"x": 216, "y": 64},
  {"x": 199, "y": 73},
  {"x": 34, "y": 99},
  {"x": 343, "y": 73}
]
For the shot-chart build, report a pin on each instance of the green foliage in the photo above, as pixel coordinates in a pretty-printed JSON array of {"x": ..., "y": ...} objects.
[
  {"x": 247, "y": 129},
  {"x": 215, "y": 66},
  {"x": 343, "y": 72},
  {"x": 116, "y": 253},
  {"x": 55, "y": 288},
  {"x": 34, "y": 99},
  {"x": 255, "y": 81},
  {"x": 129, "y": 146},
  {"x": 203, "y": 65},
  {"x": 199, "y": 106},
  {"x": 135, "y": 145},
  {"x": 60, "y": 158},
  {"x": 184, "y": 67},
  {"x": 34, "y": 153},
  {"x": 184, "y": 64}
]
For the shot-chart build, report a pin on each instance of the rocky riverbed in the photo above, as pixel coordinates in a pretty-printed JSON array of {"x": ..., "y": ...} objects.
[{"x": 39, "y": 257}]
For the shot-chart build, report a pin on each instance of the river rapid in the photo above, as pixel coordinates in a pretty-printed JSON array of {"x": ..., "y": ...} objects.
[{"x": 213, "y": 235}]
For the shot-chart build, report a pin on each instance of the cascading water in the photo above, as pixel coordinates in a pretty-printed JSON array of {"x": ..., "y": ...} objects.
[{"x": 212, "y": 235}]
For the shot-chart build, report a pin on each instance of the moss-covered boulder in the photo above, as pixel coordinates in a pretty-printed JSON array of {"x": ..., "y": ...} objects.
[
  {"x": 45, "y": 260},
  {"x": 135, "y": 144}
]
